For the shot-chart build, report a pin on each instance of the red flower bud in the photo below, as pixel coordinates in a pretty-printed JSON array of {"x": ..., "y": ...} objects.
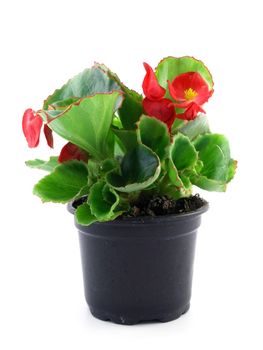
[
  {"x": 151, "y": 88},
  {"x": 161, "y": 109},
  {"x": 71, "y": 151},
  {"x": 48, "y": 135},
  {"x": 31, "y": 125}
]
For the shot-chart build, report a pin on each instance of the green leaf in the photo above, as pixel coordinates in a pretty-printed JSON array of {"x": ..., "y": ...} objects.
[
  {"x": 173, "y": 174},
  {"x": 195, "y": 127},
  {"x": 87, "y": 124},
  {"x": 103, "y": 200},
  {"x": 231, "y": 169},
  {"x": 47, "y": 165},
  {"x": 131, "y": 108},
  {"x": 183, "y": 153},
  {"x": 84, "y": 216},
  {"x": 139, "y": 169},
  {"x": 64, "y": 183},
  {"x": 128, "y": 138},
  {"x": 170, "y": 67},
  {"x": 89, "y": 82},
  {"x": 154, "y": 134},
  {"x": 177, "y": 124},
  {"x": 208, "y": 184},
  {"x": 214, "y": 152}
]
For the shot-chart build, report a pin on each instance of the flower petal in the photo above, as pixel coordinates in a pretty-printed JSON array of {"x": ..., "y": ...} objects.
[
  {"x": 31, "y": 125},
  {"x": 191, "y": 112},
  {"x": 71, "y": 151},
  {"x": 161, "y": 109},
  {"x": 48, "y": 135},
  {"x": 151, "y": 88}
]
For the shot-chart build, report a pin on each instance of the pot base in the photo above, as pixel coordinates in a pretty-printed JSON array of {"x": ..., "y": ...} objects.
[{"x": 126, "y": 320}]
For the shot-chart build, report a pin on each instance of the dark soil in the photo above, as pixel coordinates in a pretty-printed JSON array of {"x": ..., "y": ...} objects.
[
  {"x": 160, "y": 205},
  {"x": 163, "y": 206}
]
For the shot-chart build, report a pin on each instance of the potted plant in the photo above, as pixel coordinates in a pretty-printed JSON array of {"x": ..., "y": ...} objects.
[{"x": 127, "y": 172}]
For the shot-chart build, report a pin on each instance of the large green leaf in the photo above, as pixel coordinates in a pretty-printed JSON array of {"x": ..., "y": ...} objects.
[
  {"x": 87, "y": 124},
  {"x": 154, "y": 134},
  {"x": 131, "y": 108},
  {"x": 64, "y": 183},
  {"x": 139, "y": 169},
  {"x": 196, "y": 127},
  {"x": 47, "y": 165},
  {"x": 183, "y": 153},
  {"x": 89, "y": 82},
  {"x": 103, "y": 200},
  {"x": 170, "y": 67},
  {"x": 213, "y": 151}
]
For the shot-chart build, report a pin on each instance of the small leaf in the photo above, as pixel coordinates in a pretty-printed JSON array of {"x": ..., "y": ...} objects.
[
  {"x": 183, "y": 153},
  {"x": 103, "y": 200},
  {"x": 63, "y": 184},
  {"x": 84, "y": 216},
  {"x": 154, "y": 134},
  {"x": 173, "y": 174},
  {"x": 139, "y": 169},
  {"x": 195, "y": 127},
  {"x": 87, "y": 124},
  {"x": 177, "y": 124},
  {"x": 48, "y": 165}
]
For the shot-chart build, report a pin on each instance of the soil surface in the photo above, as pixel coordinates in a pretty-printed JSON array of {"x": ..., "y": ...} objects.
[
  {"x": 163, "y": 206},
  {"x": 160, "y": 205}
]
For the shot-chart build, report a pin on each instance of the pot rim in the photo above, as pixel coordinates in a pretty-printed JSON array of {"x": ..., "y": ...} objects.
[{"x": 158, "y": 219}]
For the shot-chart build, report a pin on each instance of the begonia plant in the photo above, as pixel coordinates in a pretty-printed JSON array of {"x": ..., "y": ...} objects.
[{"x": 122, "y": 146}]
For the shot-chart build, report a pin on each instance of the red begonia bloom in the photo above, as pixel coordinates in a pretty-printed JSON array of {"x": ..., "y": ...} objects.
[
  {"x": 31, "y": 125},
  {"x": 151, "y": 88},
  {"x": 48, "y": 135},
  {"x": 189, "y": 87},
  {"x": 70, "y": 152},
  {"x": 161, "y": 109}
]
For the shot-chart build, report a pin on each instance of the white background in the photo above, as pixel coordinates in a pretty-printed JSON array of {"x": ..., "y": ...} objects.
[{"x": 43, "y": 43}]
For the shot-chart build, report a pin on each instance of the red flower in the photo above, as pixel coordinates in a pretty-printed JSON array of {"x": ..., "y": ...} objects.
[
  {"x": 191, "y": 91},
  {"x": 188, "y": 88},
  {"x": 71, "y": 151},
  {"x": 161, "y": 109},
  {"x": 31, "y": 125},
  {"x": 151, "y": 88}
]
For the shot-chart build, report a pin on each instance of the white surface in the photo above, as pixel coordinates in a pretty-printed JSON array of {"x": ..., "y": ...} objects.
[{"x": 45, "y": 42}]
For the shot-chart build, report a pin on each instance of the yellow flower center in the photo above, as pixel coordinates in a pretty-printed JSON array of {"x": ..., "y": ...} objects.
[{"x": 190, "y": 94}]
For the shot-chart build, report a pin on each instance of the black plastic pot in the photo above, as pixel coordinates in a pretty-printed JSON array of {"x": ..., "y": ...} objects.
[{"x": 139, "y": 269}]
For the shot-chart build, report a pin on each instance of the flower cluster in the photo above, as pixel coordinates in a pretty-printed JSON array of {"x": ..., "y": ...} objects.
[{"x": 188, "y": 91}]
